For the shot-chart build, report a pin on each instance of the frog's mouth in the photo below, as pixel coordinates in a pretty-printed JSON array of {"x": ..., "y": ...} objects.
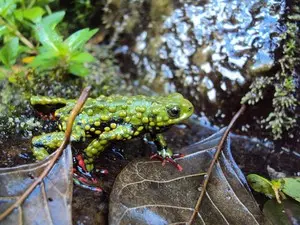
[{"x": 188, "y": 110}]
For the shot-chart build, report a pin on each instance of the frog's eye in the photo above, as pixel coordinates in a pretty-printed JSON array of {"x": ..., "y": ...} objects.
[{"x": 174, "y": 112}]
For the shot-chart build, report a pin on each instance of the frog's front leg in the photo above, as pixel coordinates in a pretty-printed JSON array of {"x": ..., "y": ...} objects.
[
  {"x": 121, "y": 132},
  {"x": 164, "y": 153}
]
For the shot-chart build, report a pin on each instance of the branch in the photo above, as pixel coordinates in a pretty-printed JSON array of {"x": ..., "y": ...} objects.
[
  {"x": 73, "y": 114},
  {"x": 18, "y": 34},
  {"x": 213, "y": 162}
]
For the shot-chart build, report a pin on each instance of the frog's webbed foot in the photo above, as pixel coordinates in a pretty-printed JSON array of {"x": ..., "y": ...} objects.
[
  {"x": 167, "y": 156},
  {"x": 84, "y": 178}
]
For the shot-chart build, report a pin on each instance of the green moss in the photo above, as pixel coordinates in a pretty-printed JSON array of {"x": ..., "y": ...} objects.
[{"x": 284, "y": 101}]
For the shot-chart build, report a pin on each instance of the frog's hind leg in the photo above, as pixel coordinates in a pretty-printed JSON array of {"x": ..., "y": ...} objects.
[
  {"x": 44, "y": 142},
  {"x": 93, "y": 150}
]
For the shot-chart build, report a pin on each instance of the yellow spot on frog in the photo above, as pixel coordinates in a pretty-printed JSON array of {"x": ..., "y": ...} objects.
[
  {"x": 87, "y": 127},
  {"x": 97, "y": 132},
  {"x": 103, "y": 142},
  {"x": 124, "y": 106},
  {"x": 122, "y": 113},
  {"x": 136, "y": 133},
  {"x": 140, "y": 109},
  {"x": 106, "y": 128},
  {"x": 113, "y": 125},
  {"x": 155, "y": 111},
  {"x": 96, "y": 144},
  {"x": 127, "y": 119},
  {"x": 90, "y": 112},
  {"x": 139, "y": 115},
  {"x": 89, "y": 154},
  {"x": 97, "y": 123},
  {"x": 140, "y": 128},
  {"x": 152, "y": 124},
  {"x": 92, "y": 129},
  {"x": 160, "y": 124},
  {"x": 94, "y": 151},
  {"x": 104, "y": 117},
  {"x": 112, "y": 109},
  {"x": 145, "y": 120},
  {"x": 158, "y": 119},
  {"x": 119, "y": 137}
]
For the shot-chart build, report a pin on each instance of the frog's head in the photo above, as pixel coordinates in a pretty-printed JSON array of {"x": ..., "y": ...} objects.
[{"x": 170, "y": 109}]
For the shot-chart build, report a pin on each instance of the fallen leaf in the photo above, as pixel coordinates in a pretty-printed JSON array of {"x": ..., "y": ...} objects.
[
  {"x": 282, "y": 214},
  {"x": 49, "y": 203},
  {"x": 145, "y": 192}
]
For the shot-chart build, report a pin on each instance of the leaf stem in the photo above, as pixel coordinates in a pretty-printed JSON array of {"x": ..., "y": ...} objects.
[
  {"x": 80, "y": 102},
  {"x": 18, "y": 34},
  {"x": 214, "y": 160}
]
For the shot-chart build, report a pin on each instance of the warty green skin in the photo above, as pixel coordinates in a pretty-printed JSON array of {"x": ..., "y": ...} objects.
[{"x": 113, "y": 118}]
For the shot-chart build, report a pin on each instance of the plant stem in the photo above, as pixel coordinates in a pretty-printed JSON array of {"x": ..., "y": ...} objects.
[
  {"x": 18, "y": 34},
  {"x": 214, "y": 160}
]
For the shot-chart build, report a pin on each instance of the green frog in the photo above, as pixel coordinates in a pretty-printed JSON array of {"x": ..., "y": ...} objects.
[{"x": 112, "y": 118}]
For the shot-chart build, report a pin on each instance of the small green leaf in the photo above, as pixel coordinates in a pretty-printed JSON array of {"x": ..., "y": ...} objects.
[
  {"x": 82, "y": 57},
  {"x": 9, "y": 52},
  {"x": 261, "y": 184},
  {"x": 78, "y": 70},
  {"x": 291, "y": 187},
  {"x": 46, "y": 33},
  {"x": 34, "y": 14},
  {"x": 18, "y": 14},
  {"x": 53, "y": 19},
  {"x": 78, "y": 39},
  {"x": 7, "y": 7},
  {"x": 3, "y": 30},
  {"x": 45, "y": 61}
]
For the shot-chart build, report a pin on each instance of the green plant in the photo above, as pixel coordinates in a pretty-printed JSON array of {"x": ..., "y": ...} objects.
[
  {"x": 284, "y": 101},
  {"x": 276, "y": 188},
  {"x": 55, "y": 52},
  {"x": 18, "y": 24}
]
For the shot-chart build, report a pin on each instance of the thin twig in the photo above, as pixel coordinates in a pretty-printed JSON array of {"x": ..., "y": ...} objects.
[
  {"x": 73, "y": 114},
  {"x": 214, "y": 160},
  {"x": 18, "y": 34}
]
